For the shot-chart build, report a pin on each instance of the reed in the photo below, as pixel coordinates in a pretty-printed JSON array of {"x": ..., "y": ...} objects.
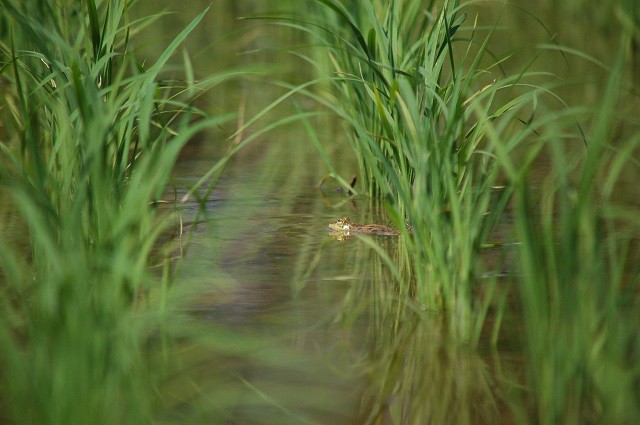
[
  {"x": 434, "y": 128},
  {"x": 578, "y": 284},
  {"x": 91, "y": 137},
  {"x": 416, "y": 93}
]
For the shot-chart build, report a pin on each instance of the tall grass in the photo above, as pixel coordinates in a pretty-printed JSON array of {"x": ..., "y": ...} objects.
[
  {"x": 578, "y": 283},
  {"x": 417, "y": 94},
  {"x": 92, "y": 136},
  {"x": 434, "y": 126}
]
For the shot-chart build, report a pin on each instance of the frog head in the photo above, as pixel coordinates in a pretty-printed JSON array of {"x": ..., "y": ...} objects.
[{"x": 342, "y": 225}]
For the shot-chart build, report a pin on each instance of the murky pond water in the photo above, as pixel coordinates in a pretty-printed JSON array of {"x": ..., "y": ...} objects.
[{"x": 263, "y": 265}]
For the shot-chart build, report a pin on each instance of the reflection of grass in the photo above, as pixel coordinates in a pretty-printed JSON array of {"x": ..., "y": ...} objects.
[
  {"x": 93, "y": 135},
  {"x": 416, "y": 374},
  {"x": 421, "y": 379}
]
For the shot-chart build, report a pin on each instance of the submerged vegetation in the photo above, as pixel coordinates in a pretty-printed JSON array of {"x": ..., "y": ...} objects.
[{"x": 444, "y": 129}]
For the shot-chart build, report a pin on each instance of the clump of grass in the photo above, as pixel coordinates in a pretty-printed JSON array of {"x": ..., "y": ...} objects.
[
  {"x": 433, "y": 128},
  {"x": 92, "y": 137},
  {"x": 578, "y": 280},
  {"x": 417, "y": 108}
]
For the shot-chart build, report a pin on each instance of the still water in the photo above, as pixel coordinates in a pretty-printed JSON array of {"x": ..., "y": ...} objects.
[{"x": 331, "y": 341}]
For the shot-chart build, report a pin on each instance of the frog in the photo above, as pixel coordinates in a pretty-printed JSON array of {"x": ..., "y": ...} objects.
[{"x": 345, "y": 227}]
